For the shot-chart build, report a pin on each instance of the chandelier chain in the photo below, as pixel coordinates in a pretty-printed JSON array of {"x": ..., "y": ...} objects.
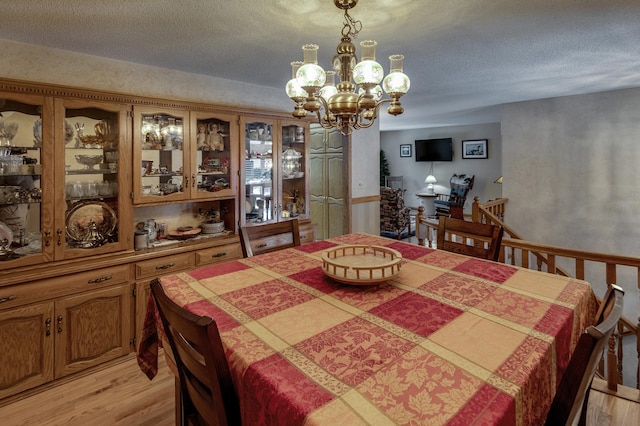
[{"x": 351, "y": 26}]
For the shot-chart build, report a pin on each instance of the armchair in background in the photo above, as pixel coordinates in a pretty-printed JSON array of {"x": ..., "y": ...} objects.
[
  {"x": 453, "y": 204},
  {"x": 394, "y": 182},
  {"x": 394, "y": 216}
]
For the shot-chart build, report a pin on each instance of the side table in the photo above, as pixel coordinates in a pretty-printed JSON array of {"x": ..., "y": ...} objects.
[{"x": 427, "y": 202}]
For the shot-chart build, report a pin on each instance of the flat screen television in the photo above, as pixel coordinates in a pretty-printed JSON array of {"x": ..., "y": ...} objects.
[{"x": 434, "y": 149}]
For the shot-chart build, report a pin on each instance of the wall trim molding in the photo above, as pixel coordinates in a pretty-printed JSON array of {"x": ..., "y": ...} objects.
[{"x": 363, "y": 200}]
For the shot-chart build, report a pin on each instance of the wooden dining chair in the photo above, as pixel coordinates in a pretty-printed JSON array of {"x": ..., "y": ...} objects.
[
  {"x": 205, "y": 395},
  {"x": 572, "y": 396},
  {"x": 475, "y": 239},
  {"x": 269, "y": 237}
]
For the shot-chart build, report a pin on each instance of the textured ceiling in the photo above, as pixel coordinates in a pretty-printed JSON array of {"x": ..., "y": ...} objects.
[{"x": 464, "y": 57}]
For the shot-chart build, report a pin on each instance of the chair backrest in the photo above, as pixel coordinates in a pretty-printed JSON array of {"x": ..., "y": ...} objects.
[
  {"x": 460, "y": 187},
  {"x": 207, "y": 395},
  {"x": 269, "y": 237},
  {"x": 470, "y": 238},
  {"x": 394, "y": 182},
  {"x": 572, "y": 395}
]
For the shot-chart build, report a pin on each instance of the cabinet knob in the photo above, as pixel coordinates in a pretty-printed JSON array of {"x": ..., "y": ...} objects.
[
  {"x": 59, "y": 234},
  {"x": 47, "y": 238},
  {"x": 193, "y": 181}
]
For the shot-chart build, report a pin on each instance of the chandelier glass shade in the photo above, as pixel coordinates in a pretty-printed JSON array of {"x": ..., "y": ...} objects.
[{"x": 354, "y": 102}]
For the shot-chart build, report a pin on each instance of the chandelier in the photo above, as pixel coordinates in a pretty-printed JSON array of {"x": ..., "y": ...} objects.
[{"x": 346, "y": 106}]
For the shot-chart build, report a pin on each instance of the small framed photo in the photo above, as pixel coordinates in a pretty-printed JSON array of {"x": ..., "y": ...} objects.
[
  {"x": 405, "y": 150},
  {"x": 475, "y": 149}
]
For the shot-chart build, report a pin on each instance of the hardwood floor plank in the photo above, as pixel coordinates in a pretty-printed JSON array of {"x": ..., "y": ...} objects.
[{"x": 119, "y": 395}]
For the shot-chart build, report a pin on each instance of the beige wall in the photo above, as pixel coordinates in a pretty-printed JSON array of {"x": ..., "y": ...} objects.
[
  {"x": 571, "y": 173},
  {"x": 34, "y": 63}
]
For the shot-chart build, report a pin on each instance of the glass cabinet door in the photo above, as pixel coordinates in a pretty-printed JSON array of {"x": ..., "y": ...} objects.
[
  {"x": 293, "y": 170},
  {"x": 161, "y": 171},
  {"x": 260, "y": 199},
  {"x": 91, "y": 141},
  {"x": 214, "y": 153},
  {"x": 25, "y": 184}
]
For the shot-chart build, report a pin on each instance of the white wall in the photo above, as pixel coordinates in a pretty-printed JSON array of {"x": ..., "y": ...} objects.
[
  {"x": 365, "y": 179},
  {"x": 485, "y": 171},
  {"x": 571, "y": 173}
]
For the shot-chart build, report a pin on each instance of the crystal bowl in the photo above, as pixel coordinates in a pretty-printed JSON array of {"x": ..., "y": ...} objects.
[{"x": 89, "y": 161}]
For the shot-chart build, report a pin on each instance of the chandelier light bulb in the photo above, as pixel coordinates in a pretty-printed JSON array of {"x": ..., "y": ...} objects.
[
  {"x": 310, "y": 75},
  {"x": 368, "y": 71},
  {"x": 293, "y": 88},
  {"x": 396, "y": 82}
]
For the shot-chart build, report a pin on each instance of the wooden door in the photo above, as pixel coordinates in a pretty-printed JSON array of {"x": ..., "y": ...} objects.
[
  {"x": 26, "y": 357},
  {"x": 92, "y": 328},
  {"x": 328, "y": 183}
]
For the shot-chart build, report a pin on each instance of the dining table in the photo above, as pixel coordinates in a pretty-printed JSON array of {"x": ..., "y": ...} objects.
[{"x": 446, "y": 340}]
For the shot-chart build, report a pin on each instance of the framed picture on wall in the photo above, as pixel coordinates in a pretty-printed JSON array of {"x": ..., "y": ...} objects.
[
  {"x": 405, "y": 150},
  {"x": 475, "y": 149}
]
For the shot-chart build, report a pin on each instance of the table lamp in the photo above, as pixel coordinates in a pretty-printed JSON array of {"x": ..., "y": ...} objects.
[{"x": 430, "y": 180}]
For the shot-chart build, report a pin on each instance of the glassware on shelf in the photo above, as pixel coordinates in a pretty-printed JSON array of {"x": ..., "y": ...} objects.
[{"x": 89, "y": 161}]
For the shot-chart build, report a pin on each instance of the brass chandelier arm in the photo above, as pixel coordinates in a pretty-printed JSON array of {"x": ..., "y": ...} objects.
[{"x": 362, "y": 119}]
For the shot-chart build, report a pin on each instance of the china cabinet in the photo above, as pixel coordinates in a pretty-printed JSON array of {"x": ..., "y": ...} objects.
[
  {"x": 82, "y": 172},
  {"x": 183, "y": 155},
  {"x": 275, "y": 170},
  {"x": 160, "y": 155},
  {"x": 91, "y": 213},
  {"x": 213, "y": 155},
  {"x": 61, "y": 193}
]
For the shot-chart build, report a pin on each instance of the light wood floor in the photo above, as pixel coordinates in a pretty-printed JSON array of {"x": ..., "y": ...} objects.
[
  {"x": 118, "y": 395},
  {"x": 121, "y": 395}
]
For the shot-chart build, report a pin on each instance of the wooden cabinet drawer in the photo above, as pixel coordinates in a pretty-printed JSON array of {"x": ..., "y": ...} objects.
[
  {"x": 218, "y": 254},
  {"x": 164, "y": 265},
  {"x": 63, "y": 285}
]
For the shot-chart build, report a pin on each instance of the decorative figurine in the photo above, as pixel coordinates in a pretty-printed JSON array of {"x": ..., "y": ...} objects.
[{"x": 201, "y": 137}]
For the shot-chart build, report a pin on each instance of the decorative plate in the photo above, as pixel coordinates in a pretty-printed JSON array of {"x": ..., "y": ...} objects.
[
  {"x": 361, "y": 264},
  {"x": 81, "y": 216},
  {"x": 184, "y": 234}
]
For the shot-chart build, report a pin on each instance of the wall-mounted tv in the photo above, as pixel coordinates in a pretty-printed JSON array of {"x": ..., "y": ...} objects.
[{"x": 434, "y": 149}]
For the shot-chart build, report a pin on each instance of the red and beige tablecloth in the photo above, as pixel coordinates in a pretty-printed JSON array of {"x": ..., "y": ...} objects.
[{"x": 451, "y": 340}]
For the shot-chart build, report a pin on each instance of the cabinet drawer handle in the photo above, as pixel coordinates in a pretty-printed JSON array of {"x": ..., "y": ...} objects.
[
  {"x": 7, "y": 299},
  {"x": 166, "y": 266},
  {"x": 219, "y": 254},
  {"x": 262, "y": 245},
  {"x": 100, "y": 280}
]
